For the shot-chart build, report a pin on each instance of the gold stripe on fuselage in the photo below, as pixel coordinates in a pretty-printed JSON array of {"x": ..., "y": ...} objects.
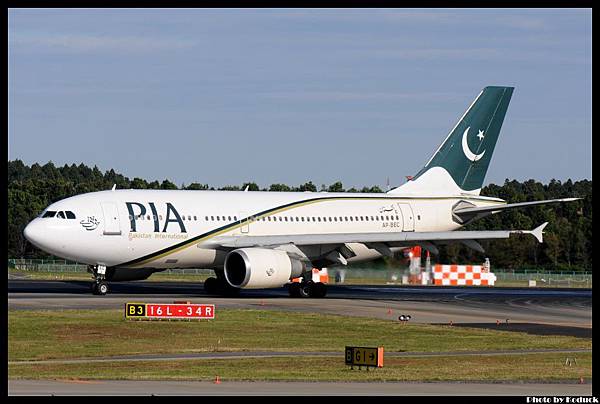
[{"x": 243, "y": 221}]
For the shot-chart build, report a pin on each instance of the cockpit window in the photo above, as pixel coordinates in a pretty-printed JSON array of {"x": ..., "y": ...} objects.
[
  {"x": 70, "y": 215},
  {"x": 49, "y": 213},
  {"x": 60, "y": 215}
]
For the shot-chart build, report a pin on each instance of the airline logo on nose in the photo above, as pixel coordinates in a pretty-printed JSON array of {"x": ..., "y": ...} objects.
[{"x": 90, "y": 224}]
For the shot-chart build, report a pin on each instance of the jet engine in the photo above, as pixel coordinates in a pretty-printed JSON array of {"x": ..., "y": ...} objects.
[{"x": 254, "y": 268}]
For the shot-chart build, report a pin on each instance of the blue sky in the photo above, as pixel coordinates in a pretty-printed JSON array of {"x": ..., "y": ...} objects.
[{"x": 294, "y": 95}]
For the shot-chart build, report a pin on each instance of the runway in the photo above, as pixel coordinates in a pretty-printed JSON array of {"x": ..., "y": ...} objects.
[
  {"x": 539, "y": 311},
  {"x": 148, "y": 388}
]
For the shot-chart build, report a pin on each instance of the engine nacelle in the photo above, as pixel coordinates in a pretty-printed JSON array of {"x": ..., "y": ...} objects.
[{"x": 254, "y": 268}]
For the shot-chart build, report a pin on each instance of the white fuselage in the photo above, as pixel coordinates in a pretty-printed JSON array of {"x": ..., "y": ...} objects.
[{"x": 173, "y": 228}]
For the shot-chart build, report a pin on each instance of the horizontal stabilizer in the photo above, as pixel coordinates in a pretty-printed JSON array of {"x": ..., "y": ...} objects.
[{"x": 467, "y": 214}]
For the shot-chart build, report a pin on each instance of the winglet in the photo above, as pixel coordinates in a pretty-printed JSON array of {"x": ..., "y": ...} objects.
[{"x": 537, "y": 232}]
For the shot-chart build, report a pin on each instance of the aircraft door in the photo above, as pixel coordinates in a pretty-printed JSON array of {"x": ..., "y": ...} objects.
[
  {"x": 112, "y": 224},
  {"x": 408, "y": 216},
  {"x": 245, "y": 223}
]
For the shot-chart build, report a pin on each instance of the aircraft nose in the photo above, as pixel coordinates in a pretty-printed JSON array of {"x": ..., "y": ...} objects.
[{"x": 34, "y": 232}]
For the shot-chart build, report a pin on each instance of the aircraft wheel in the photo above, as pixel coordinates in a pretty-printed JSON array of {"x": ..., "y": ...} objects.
[
  {"x": 294, "y": 289},
  {"x": 306, "y": 289},
  {"x": 102, "y": 288},
  {"x": 211, "y": 286},
  {"x": 319, "y": 290}
]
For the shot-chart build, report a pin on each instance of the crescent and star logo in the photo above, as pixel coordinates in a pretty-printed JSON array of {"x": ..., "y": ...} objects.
[{"x": 468, "y": 153}]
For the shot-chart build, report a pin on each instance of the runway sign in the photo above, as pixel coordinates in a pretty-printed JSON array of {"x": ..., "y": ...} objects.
[
  {"x": 169, "y": 311},
  {"x": 363, "y": 356}
]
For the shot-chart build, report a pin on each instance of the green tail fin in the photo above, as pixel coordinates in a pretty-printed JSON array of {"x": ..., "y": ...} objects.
[{"x": 467, "y": 151}]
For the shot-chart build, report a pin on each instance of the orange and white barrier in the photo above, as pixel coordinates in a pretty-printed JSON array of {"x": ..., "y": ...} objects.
[
  {"x": 317, "y": 276},
  {"x": 462, "y": 275}
]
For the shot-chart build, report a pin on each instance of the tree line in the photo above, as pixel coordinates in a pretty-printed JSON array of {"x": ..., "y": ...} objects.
[{"x": 567, "y": 238}]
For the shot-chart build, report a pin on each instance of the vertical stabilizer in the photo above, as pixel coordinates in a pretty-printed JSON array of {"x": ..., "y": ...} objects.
[{"x": 460, "y": 163}]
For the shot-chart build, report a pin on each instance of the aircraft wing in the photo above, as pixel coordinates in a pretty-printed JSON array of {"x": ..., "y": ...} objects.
[{"x": 378, "y": 240}]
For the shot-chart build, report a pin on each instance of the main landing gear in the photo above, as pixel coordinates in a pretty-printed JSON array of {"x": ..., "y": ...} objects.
[
  {"x": 99, "y": 286},
  {"x": 308, "y": 289}
]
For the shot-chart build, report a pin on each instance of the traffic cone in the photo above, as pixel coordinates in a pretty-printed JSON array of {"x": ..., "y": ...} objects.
[
  {"x": 262, "y": 302},
  {"x": 581, "y": 381},
  {"x": 497, "y": 322},
  {"x": 389, "y": 312},
  {"x": 217, "y": 380},
  {"x": 450, "y": 323}
]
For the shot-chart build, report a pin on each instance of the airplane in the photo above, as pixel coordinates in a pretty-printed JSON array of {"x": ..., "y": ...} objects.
[{"x": 265, "y": 239}]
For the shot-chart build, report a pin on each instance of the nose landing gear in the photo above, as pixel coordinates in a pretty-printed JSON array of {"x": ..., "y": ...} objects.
[{"x": 99, "y": 286}]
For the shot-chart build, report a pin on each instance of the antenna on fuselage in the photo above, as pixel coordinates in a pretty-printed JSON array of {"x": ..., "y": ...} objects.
[
  {"x": 246, "y": 189},
  {"x": 114, "y": 187}
]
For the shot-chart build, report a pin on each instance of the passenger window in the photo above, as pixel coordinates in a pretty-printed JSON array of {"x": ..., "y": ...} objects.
[
  {"x": 235, "y": 218},
  {"x": 195, "y": 218},
  {"x": 49, "y": 213},
  {"x": 228, "y": 217}
]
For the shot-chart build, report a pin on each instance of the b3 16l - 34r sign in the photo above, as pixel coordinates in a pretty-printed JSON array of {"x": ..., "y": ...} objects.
[{"x": 169, "y": 311}]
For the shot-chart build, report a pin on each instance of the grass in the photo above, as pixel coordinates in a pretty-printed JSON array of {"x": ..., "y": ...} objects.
[
  {"x": 38, "y": 335},
  {"x": 523, "y": 368}
]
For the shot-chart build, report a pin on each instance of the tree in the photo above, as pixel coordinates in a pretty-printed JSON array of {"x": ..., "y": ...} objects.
[{"x": 336, "y": 187}]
